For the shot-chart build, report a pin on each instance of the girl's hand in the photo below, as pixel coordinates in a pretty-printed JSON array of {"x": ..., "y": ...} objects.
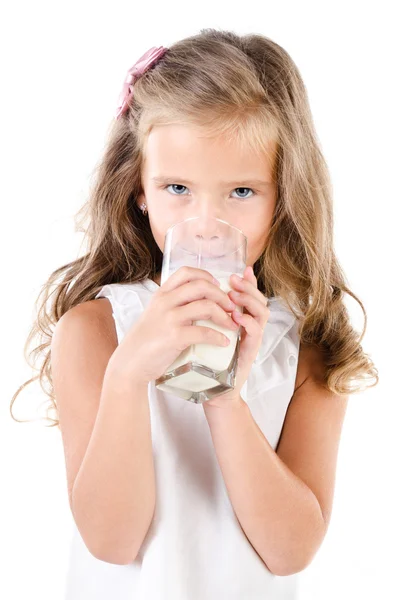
[
  {"x": 165, "y": 327},
  {"x": 247, "y": 295}
]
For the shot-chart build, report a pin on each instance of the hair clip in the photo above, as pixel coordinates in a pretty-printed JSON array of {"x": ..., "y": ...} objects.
[{"x": 137, "y": 70}]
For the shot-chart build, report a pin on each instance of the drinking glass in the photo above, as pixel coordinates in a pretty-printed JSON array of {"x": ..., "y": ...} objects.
[{"x": 203, "y": 370}]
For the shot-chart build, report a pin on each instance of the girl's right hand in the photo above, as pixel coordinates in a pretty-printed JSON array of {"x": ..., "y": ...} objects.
[{"x": 165, "y": 327}]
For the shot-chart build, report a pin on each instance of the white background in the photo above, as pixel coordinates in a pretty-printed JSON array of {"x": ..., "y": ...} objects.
[{"x": 62, "y": 69}]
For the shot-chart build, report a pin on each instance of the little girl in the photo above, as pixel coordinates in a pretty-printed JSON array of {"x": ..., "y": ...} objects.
[{"x": 232, "y": 498}]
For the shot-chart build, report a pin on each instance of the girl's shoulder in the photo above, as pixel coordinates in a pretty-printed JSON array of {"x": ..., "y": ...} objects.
[
  {"x": 97, "y": 312},
  {"x": 311, "y": 364},
  {"x": 123, "y": 303}
]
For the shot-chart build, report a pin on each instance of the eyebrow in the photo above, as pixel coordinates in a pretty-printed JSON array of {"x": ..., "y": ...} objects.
[{"x": 240, "y": 182}]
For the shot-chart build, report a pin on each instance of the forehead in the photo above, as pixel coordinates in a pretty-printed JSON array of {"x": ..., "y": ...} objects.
[{"x": 171, "y": 149}]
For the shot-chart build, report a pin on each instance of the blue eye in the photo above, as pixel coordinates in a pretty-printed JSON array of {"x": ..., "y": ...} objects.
[
  {"x": 175, "y": 185},
  {"x": 245, "y": 188},
  {"x": 239, "y": 188}
]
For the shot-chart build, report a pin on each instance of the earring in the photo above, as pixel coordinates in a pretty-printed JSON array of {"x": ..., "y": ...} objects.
[{"x": 144, "y": 209}]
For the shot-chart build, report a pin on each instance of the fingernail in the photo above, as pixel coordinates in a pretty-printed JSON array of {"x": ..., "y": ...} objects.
[{"x": 216, "y": 281}]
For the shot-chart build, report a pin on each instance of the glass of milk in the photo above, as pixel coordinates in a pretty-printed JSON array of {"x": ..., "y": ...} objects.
[{"x": 203, "y": 371}]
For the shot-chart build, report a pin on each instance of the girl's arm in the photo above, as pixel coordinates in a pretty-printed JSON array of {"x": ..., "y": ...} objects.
[
  {"x": 283, "y": 499},
  {"x": 105, "y": 423}
]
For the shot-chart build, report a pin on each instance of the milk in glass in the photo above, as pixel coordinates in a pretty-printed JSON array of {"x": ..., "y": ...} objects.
[
  {"x": 203, "y": 371},
  {"x": 217, "y": 358}
]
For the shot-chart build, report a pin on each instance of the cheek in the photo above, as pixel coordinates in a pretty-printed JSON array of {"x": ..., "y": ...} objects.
[
  {"x": 159, "y": 228},
  {"x": 257, "y": 238},
  {"x": 158, "y": 231}
]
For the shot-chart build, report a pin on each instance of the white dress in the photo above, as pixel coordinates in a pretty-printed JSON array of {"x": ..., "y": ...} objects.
[{"x": 195, "y": 548}]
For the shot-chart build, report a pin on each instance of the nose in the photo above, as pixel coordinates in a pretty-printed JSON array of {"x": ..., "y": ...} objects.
[
  {"x": 209, "y": 234},
  {"x": 207, "y": 227},
  {"x": 209, "y": 237}
]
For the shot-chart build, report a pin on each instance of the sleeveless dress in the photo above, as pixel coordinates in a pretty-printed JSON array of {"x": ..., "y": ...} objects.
[{"x": 195, "y": 548}]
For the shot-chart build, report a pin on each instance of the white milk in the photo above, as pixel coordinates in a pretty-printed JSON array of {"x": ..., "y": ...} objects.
[{"x": 214, "y": 357}]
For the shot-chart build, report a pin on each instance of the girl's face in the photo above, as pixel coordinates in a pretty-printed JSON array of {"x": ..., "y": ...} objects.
[{"x": 187, "y": 175}]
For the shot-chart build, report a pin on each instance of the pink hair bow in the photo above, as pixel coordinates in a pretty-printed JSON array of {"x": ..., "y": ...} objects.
[{"x": 139, "y": 68}]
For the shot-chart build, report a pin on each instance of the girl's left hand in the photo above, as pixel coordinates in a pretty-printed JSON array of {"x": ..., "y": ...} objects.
[{"x": 245, "y": 293}]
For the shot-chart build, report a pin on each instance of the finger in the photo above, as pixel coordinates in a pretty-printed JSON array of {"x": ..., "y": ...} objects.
[
  {"x": 254, "y": 305},
  {"x": 205, "y": 310},
  {"x": 250, "y": 276},
  {"x": 252, "y": 327},
  {"x": 185, "y": 274},
  {"x": 192, "y": 287},
  {"x": 199, "y": 290},
  {"x": 243, "y": 285}
]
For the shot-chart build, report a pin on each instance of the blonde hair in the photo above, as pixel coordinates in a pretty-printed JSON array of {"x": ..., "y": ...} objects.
[{"x": 246, "y": 87}]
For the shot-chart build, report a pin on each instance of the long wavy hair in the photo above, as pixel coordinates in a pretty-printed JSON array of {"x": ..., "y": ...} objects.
[{"x": 249, "y": 88}]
